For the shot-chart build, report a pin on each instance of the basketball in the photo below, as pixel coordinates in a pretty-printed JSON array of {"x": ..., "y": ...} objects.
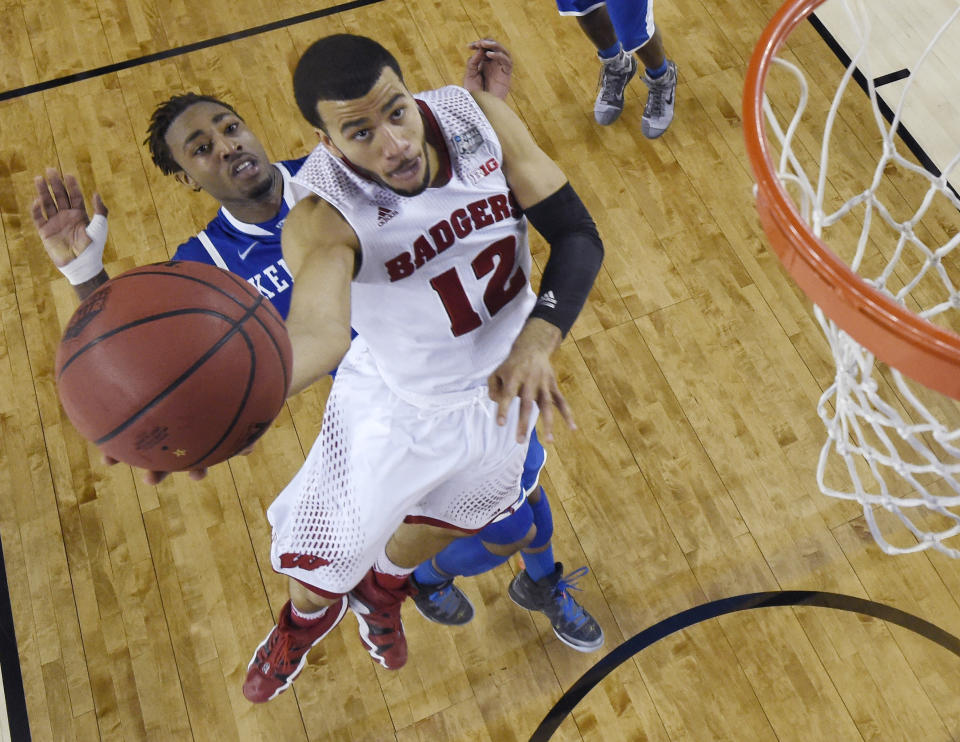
[{"x": 174, "y": 366}]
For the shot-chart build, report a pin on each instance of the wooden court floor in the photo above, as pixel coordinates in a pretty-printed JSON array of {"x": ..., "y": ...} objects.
[{"x": 694, "y": 374}]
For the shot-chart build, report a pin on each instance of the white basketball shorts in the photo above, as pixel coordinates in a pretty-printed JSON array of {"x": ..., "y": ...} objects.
[{"x": 379, "y": 459}]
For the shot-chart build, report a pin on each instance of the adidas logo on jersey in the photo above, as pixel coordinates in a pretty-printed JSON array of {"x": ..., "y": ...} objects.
[
  {"x": 548, "y": 300},
  {"x": 384, "y": 215}
]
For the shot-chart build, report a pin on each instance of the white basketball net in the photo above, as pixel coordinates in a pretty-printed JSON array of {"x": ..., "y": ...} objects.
[{"x": 892, "y": 445}]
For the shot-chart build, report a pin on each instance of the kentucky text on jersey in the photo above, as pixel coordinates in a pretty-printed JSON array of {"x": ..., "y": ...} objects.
[
  {"x": 474, "y": 216},
  {"x": 270, "y": 282}
]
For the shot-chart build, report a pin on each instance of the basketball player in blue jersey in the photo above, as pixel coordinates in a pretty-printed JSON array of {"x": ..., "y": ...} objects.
[
  {"x": 206, "y": 146},
  {"x": 623, "y": 31},
  {"x": 251, "y": 250}
]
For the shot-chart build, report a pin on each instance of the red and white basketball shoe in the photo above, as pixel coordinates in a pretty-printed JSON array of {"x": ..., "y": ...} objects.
[
  {"x": 376, "y": 603},
  {"x": 282, "y": 655}
]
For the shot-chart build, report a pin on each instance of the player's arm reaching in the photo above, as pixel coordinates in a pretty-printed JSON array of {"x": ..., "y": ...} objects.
[
  {"x": 321, "y": 250},
  {"x": 73, "y": 241},
  {"x": 576, "y": 252}
]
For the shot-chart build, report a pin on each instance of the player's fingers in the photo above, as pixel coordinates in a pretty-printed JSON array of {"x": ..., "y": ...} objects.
[
  {"x": 99, "y": 207},
  {"x": 475, "y": 61},
  {"x": 60, "y": 197},
  {"x": 506, "y": 64},
  {"x": 109, "y": 460},
  {"x": 197, "y": 474},
  {"x": 507, "y": 388},
  {"x": 495, "y": 49},
  {"x": 36, "y": 212},
  {"x": 74, "y": 193},
  {"x": 503, "y": 408},
  {"x": 497, "y": 393},
  {"x": 154, "y": 477},
  {"x": 43, "y": 194},
  {"x": 546, "y": 418},
  {"x": 560, "y": 402},
  {"x": 526, "y": 408}
]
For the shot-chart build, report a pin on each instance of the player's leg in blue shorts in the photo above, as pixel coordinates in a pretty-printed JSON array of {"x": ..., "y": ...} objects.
[
  {"x": 620, "y": 29},
  {"x": 539, "y": 586}
]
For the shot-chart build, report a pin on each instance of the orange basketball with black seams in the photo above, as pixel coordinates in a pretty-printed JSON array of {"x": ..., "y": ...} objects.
[{"x": 174, "y": 366}]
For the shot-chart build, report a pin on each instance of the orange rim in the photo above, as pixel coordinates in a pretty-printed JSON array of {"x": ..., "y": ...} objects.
[{"x": 898, "y": 337}]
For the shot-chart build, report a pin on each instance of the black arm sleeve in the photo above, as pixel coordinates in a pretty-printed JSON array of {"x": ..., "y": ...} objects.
[{"x": 576, "y": 253}]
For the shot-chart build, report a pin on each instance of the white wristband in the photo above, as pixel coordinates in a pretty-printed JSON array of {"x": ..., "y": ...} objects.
[{"x": 89, "y": 263}]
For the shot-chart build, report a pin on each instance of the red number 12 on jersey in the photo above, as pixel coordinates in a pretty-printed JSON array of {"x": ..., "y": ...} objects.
[{"x": 505, "y": 283}]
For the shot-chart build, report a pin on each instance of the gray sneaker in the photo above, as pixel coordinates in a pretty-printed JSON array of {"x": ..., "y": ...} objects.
[
  {"x": 551, "y": 596},
  {"x": 615, "y": 73},
  {"x": 444, "y": 603},
  {"x": 658, "y": 112}
]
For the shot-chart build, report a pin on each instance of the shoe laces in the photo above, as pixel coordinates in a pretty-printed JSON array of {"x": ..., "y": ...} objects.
[
  {"x": 384, "y": 619},
  {"x": 656, "y": 100},
  {"x": 441, "y": 592},
  {"x": 613, "y": 79},
  {"x": 572, "y": 610},
  {"x": 275, "y": 656}
]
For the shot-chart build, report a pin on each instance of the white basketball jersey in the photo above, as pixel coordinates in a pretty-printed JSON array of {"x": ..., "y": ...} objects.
[{"x": 443, "y": 288}]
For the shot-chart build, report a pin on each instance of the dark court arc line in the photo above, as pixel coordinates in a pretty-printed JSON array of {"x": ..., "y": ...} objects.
[
  {"x": 185, "y": 49},
  {"x": 16, "y": 701},
  {"x": 717, "y": 608},
  {"x": 714, "y": 609}
]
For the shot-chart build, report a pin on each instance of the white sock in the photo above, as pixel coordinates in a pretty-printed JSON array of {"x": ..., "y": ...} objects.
[
  {"x": 621, "y": 61},
  {"x": 306, "y": 618},
  {"x": 384, "y": 566}
]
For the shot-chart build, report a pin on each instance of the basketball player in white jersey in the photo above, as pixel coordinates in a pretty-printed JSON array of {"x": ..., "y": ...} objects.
[
  {"x": 413, "y": 231},
  {"x": 245, "y": 238}
]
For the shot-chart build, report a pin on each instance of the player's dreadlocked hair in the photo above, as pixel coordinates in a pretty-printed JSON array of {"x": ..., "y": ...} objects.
[
  {"x": 160, "y": 121},
  {"x": 338, "y": 67}
]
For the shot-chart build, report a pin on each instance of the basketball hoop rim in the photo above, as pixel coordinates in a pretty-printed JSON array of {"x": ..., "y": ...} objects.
[{"x": 923, "y": 351}]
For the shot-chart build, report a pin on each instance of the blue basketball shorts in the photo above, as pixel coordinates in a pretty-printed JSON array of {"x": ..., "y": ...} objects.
[{"x": 632, "y": 19}]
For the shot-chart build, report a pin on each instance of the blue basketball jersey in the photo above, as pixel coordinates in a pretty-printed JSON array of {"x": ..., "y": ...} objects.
[{"x": 252, "y": 251}]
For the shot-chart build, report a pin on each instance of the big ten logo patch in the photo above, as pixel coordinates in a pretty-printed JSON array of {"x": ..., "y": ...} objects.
[{"x": 487, "y": 168}]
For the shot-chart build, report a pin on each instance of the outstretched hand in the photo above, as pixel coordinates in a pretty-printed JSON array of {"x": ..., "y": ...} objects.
[
  {"x": 527, "y": 373},
  {"x": 155, "y": 477},
  {"x": 489, "y": 68},
  {"x": 60, "y": 215}
]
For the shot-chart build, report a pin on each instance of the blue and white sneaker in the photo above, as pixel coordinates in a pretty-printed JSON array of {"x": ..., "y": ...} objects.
[
  {"x": 658, "y": 113},
  {"x": 444, "y": 603},
  {"x": 615, "y": 73},
  {"x": 551, "y": 596}
]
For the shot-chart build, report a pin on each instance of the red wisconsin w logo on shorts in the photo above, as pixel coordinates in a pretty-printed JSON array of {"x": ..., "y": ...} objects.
[{"x": 302, "y": 561}]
